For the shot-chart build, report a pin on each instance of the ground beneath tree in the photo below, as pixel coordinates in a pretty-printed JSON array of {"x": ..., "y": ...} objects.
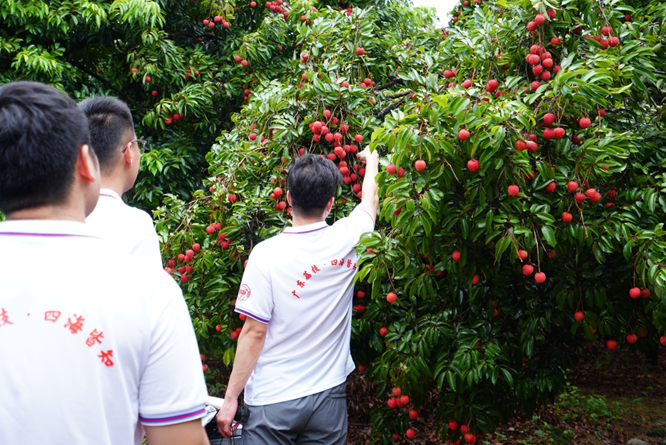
[{"x": 613, "y": 397}]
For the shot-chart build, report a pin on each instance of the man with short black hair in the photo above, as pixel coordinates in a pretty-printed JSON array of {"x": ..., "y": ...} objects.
[
  {"x": 119, "y": 153},
  {"x": 293, "y": 354},
  {"x": 94, "y": 343}
]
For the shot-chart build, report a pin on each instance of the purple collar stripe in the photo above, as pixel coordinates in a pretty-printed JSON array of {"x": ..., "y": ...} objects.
[
  {"x": 107, "y": 196},
  {"x": 307, "y": 231},
  {"x": 252, "y": 315},
  {"x": 172, "y": 418},
  {"x": 48, "y": 235}
]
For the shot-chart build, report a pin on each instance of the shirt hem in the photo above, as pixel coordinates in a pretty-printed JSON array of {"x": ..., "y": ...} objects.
[{"x": 270, "y": 401}]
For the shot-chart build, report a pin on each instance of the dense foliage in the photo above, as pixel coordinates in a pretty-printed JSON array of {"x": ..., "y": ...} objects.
[{"x": 463, "y": 237}]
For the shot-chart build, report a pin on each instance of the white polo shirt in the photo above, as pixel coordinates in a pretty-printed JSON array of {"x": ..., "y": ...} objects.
[
  {"x": 129, "y": 228},
  {"x": 300, "y": 284},
  {"x": 92, "y": 340}
]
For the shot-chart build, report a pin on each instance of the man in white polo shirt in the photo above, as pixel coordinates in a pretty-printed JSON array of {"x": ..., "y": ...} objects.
[
  {"x": 119, "y": 152},
  {"x": 293, "y": 354},
  {"x": 95, "y": 344}
]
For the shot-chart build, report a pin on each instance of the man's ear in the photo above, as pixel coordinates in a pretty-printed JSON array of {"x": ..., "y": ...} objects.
[
  {"x": 128, "y": 157},
  {"x": 329, "y": 204},
  {"x": 289, "y": 198},
  {"x": 87, "y": 165}
]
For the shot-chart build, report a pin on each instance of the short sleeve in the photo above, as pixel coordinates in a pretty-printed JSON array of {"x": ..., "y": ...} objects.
[
  {"x": 255, "y": 295},
  {"x": 356, "y": 224},
  {"x": 172, "y": 388},
  {"x": 148, "y": 247}
]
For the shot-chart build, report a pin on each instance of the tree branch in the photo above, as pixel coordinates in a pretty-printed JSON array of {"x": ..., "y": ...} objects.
[
  {"x": 106, "y": 83},
  {"x": 395, "y": 96},
  {"x": 390, "y": 108},
  {"x": 387, "y": 85}
]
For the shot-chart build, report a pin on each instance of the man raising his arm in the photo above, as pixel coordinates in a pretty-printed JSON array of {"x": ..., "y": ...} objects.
[
  {"x": 293, "y": 353},
  {"x": 94, "y": 344}
]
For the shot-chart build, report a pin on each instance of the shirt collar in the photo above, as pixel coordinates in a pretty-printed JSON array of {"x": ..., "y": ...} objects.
[
  {"x": 108, "y": 193},
  {"x": 308, "y": 228},
  {"x": 46, "y": 228}
]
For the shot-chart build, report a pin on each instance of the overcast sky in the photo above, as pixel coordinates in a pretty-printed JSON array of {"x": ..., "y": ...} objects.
[{"x": 443, "y": 7}]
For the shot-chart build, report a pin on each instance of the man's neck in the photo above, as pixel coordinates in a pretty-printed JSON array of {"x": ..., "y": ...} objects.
[
  {"x": 115, "y": 184},
  {"x": 298, "y": 221}
]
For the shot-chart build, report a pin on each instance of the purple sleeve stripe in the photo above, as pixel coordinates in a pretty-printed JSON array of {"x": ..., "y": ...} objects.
[
  {"x": 264, "y": 321},
  {"x": 172, "y": 418}
]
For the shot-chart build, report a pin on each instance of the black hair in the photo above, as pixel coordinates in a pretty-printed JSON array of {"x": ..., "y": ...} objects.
[
  {"x": 312, "y": 182},
  {"x": 108, "y": 120},
  {"x": 41, "y": 133}
]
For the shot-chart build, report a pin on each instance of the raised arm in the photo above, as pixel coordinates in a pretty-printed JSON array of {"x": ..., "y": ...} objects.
[{"x": 369, "y": 197}]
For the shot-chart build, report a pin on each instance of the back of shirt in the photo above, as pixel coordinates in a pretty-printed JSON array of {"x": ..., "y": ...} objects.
[
  {"x": 300, "y": 284},
  {"x": 92, "y": 341},
  {"x": 131, "y": 230}
]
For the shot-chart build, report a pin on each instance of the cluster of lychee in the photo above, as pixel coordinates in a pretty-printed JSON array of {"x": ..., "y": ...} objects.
[
  {"x": 217, "y": 19},
  {"x": 464, "y": 431},
  {"x": 278, "y": 7},
  {"x": 186, "y": 258},
  {"x": 399, "y": 400}
]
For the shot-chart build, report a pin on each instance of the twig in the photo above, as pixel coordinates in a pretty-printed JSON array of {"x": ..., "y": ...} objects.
[
  {"x": 387, "y": 85},
  {"x": 388, "y": 109},
  {"x": 106, "y": 83},
  {"x": 395, "y": 96}
]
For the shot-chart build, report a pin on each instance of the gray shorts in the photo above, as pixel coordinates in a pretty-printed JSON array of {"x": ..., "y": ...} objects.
[{"x": 315, "y": 419}]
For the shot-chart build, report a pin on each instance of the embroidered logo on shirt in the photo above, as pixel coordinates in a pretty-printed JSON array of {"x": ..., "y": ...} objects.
[{"x": 244, "y": 292}]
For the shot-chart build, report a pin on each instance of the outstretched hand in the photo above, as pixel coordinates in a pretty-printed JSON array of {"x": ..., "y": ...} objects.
[{"x": 366, "y": 154}]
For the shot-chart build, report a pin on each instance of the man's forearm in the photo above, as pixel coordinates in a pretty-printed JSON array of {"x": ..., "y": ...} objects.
[
  {"x": 369, "y": 198},
  {"x": 370, "y": 186},
  {"x": 250, "y": 345}
]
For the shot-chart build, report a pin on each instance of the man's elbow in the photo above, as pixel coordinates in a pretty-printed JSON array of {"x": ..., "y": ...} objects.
[
  {"x": 255, "y": 336},
  {"x": 254, "y": 330}
]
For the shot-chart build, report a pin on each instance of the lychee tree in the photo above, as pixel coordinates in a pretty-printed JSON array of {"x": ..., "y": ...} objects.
[{"x": 521, "y": 194}]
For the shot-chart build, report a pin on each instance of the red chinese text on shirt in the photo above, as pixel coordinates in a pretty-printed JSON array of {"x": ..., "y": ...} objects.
[
  {"x": 75, "y": 326},
  {"x": 51, "y": 316},
  {"x": 4, "y": 317},
  {"x": 314, "y": 268},
  {"x": 106, "y": 357},
  {"x": 94, "y": 337}
]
